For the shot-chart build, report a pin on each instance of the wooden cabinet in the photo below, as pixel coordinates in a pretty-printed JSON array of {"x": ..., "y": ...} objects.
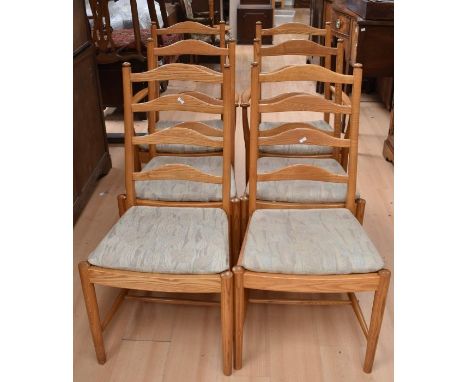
[
  {"x": 91, "y": 158},
  {"x": 247, "y": 16}
]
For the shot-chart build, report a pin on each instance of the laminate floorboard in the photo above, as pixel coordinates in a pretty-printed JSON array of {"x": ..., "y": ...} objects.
[{"x": 157, "y": 342}]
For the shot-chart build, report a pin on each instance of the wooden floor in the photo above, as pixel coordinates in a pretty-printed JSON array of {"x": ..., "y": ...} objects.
[{"x": 152, "y": 342}]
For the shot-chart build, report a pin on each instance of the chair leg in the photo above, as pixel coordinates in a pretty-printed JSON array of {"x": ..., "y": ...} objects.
[
  {"x": 378, "y": 309},
  {"x": 360, "y": 209},
  {"x": 239, "y": 314},
  {"x": 93, "y": 312},
  {"x": 235, "y": 231},
  {"x": 121, "y": 202},
  {"x": 226, "y": 320},
  {"x": 244, "y": 200}
]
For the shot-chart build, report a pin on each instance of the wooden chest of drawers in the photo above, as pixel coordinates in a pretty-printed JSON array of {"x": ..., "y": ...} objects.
[{"x": 369, "y": 42}]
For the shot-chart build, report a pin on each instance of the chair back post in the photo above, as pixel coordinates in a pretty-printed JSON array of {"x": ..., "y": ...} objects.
[
  {"x": 258, "y": 30},
  {"x": 129, "y": 133},
  {"x": 232, "y": 86},
  {"x": 227, "y": 138},
  {"x": 326, "y": 85},
  {"x": 353, "y": 136},
  {"x": 338, "y": 96},
  {"x": 211, "y": 12},
  {"x": 254, "y": 121},
  {"x": 153, "y": 90},
  {"x": 257, "y": 44}
]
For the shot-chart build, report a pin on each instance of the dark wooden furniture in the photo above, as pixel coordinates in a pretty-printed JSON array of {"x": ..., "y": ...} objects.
[
  {"x": 301, "y": 3},
  {"x": 247, "y": 17},
  {"x": 91, "y": 158},
  {"x": 368, "y": 40},
  {"x": 388, "y": 144}
]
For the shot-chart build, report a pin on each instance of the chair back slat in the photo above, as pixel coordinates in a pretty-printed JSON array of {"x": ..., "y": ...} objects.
[
  {"x": 304, "y": 135},
  {"x": 291, "y": 28},
  {"x": 299, "y": 48},
  {"x": 177, "y": 172},
  {"x": 304, "y": 102},
  {"x": 185, "y": 27},
  {"x": 306, "y": 72},
  {"x": 140, "y": 95},
  {"x": 302, "y": 172},
  {"x": 197, "y": 47},
  {"x": 179, "y": 102},
  {"x": 178, "y": 71},
  {"x": 178, "y": 135}
]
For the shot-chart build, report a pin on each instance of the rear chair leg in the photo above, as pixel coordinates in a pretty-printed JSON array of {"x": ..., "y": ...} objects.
[
  {"x": 235, "y": 231},
  {"x": 121, "y": 202},
  {"x": 239, "y": 311},
  {"x": 93, "y": 312},
  {"x": 378, "y": 309},
  {"x": 244, "y": 216},
  {"x": 360, "y": 209},
  {"x": 226, "y": 320}
]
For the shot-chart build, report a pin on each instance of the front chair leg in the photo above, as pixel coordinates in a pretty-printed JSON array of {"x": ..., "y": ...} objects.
[
  {"x": 226, "y": 320},
  {"x": 239, "y": 312},
  {"x": 93, "y": 312},
  {"x": 378, "y": 309}
]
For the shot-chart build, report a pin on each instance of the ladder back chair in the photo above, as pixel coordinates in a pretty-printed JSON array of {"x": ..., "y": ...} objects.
[
  {"x": 168, "y": 247},
  {"x": 308, "y": 248}
]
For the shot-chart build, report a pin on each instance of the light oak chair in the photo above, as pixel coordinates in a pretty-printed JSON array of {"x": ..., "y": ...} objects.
[
  {"x": 308, "y": 248},
  {"x": 164, "y": 246},
  {"x": 306, "y": 48}
]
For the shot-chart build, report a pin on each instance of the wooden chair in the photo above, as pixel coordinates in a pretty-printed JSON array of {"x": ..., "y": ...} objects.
[
  {"x": 163, "y": 246},
  {"x": 155, "y": 53},
  {"x": 308, "y": 248}
]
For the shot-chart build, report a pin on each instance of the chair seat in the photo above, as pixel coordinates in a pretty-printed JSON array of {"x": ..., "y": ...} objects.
[
  {"x": 300, "y": 191},
  {"x": 215, "y": 123},
  {"x": 166, "y": 240},
  {"x": 314, "y": 242},
  {"x": 184, "y": 190},
  {"x": 296, "y": 149}
]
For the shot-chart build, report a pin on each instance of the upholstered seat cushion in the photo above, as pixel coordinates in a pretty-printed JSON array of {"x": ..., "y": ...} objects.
[
  {"x": 300, "y": 149},
  {"x": 315, "y": 242},
  {"x": 178, "y": 148},
  {"x": 300, "y": 191},
  {"x": 166, "y": 240},
  {"x": 184, "y": 190}
]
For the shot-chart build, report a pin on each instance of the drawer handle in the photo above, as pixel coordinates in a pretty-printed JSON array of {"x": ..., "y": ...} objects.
[{"x": 338, "y": 24}]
